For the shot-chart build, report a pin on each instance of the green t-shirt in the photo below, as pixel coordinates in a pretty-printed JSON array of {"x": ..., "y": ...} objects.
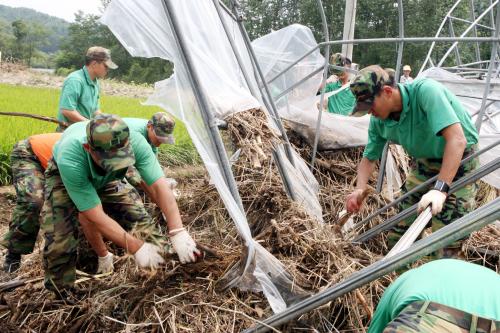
[
  {"x": 140, "y": 126},
  {"x": 83, "y": 179},
  {"x": 428, "y": 108},
  {"x": 468, "y": 287},
  {"x": 342, "y": 102},
  {"x": 79, "y": 93}
]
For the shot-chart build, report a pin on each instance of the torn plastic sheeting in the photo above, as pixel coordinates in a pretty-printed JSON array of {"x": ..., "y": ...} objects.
[
  {"x": 215, "y": 61},
  {"x": 277, "y": 51},
  {"x": 144, "y": 30}
]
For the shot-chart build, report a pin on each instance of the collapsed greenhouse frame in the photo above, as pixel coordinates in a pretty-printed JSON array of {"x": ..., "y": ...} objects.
[{"x": 477, "y": 219}]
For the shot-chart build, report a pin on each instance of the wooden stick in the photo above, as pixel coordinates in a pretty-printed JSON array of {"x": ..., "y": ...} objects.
[
  {"x": 364, "y": 304},
  {"x": 35, "y": 116}
]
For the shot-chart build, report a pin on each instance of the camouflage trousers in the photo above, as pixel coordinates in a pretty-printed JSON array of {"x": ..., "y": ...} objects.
[
  {"x": 430, "y": 317},
  {"x": 133, "y": 177},
  {"x": 28, "y": 181},
  {"x": 456, "y": 205},
  {"x": 61, "y": 228}
]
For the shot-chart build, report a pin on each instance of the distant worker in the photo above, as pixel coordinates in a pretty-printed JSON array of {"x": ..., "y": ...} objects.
[
  {"x": 79, "y": 100},
  {"x": 434, "y": 129},
  {"x": 445, "y": 295},
  {"x": 344, "y": 101},
  {"x": 406, "y": 78},
  {"x": 83, "y": 184},
  {"x": 28, "y": 161}
]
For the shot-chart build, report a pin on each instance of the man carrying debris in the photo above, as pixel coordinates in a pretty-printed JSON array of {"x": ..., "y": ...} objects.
[
  {"x": 435, "y": 130},
  {"x": 343, "y": 102},
  {"x": 445, "y": 295},
  {"x": 28, "y": 161},
  {"x": 82, "y": 183},
  {"x": 79, "y": 99}
]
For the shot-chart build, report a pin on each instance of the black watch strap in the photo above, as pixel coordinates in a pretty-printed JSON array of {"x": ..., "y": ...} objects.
[{"x": 441, "y": 186}]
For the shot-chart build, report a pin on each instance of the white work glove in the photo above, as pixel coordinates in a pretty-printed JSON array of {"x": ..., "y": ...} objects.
[
  {"x": 105, "y": 264},
  {"x": 148, "y": 256},
  {"x": 185, "y": 247},
  {"x": 435, "y": 198}
]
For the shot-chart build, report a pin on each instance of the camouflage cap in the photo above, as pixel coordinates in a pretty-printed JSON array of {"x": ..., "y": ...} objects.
[
  {"x": 101, "y": 54},
  {"x": 108, "y": 138},
  {"x": 337, "y": 59},
  {"x": 163, "y": 126},
  {"x": 366, "y": 85},
  {"x": 392, "y": 76}
]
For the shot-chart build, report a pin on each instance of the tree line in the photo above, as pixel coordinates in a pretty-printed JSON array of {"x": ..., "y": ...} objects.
[{"x": 374, "y": 19}]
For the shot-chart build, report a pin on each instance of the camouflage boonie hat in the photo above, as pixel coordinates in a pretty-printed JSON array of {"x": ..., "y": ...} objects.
[
  {"x": 163, "y": 126},
  {"x": 337, "y": 59},
  {"x": 366, "y": 85},
  {"x": 108, "y": 137}
]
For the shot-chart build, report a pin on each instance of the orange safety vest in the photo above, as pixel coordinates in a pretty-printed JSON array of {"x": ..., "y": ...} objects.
[{"x": 42, "y": 144}]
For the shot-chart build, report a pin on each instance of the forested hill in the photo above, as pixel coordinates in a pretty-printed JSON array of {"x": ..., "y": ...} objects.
[{"x": 57, "y": 27}]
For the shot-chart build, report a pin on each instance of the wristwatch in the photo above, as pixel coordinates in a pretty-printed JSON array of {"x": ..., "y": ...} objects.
[{"x": 441, "y": 186}]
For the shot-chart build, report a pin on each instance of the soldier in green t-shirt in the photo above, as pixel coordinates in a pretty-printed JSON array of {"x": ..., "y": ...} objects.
[
  {"x": 434, "y": 129},
  {"x": 157, "y": 131},
  {"x": 83, "y": 184},
  {"x": 79, "y": 100},
  {"x": 343, "y": 101},
  {"x": 444, "y": 295}
]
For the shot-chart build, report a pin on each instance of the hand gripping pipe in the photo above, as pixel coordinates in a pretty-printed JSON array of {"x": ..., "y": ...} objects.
[
  {"x": 470, "y": 178},
  {"x": 421, "y": 186}
]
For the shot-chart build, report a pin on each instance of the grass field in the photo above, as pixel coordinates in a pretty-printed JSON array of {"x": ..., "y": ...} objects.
[{"x": 44, "y": 101}]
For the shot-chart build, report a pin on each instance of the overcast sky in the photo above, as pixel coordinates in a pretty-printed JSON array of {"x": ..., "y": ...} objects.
[{"x": 64, "y": 9}]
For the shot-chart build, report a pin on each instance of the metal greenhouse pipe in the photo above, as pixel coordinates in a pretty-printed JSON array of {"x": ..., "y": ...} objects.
[
  {"x": 421, "y": 186},
  {"x": 472, "y": 177},
  {"x": 446, "y": 235},
  {"x": 325, "y": 74}
]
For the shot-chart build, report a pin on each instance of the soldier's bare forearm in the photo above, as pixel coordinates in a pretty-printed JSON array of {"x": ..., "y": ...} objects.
[
  {"x": 93, "y": 236},
  {"x": 111, "y": 230},
  {"x": 365, "y": 170},
  {"x": 453, "y": 152},
  {"x": 73, "y": 116},
  {"x": 165, "y": 199}
]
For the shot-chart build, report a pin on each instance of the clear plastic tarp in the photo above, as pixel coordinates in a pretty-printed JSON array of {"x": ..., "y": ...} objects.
[
  {"x": 143, "y": 28},
  {"x": 276, "y": 52},
  {"x": 470, "y": 93}
]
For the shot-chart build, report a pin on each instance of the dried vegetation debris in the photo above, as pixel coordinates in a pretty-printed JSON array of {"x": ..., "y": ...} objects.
[{"x": 181, "y": 298}]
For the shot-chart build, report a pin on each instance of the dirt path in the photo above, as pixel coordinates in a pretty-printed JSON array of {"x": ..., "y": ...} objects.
[{"x": 20, "y": 75}]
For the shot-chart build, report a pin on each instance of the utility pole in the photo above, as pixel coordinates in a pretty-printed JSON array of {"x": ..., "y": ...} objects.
[{"x": 349, "y": 22}]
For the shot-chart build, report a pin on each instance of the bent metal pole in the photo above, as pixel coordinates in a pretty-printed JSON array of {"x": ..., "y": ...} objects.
[
  {"x": 446, "y": 235},
  {"x": 421, "y": 186},
  {"x": 470, "y": 178}
]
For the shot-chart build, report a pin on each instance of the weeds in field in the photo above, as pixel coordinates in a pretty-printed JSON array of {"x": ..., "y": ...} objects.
[{"x": 44, "y": 101}]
